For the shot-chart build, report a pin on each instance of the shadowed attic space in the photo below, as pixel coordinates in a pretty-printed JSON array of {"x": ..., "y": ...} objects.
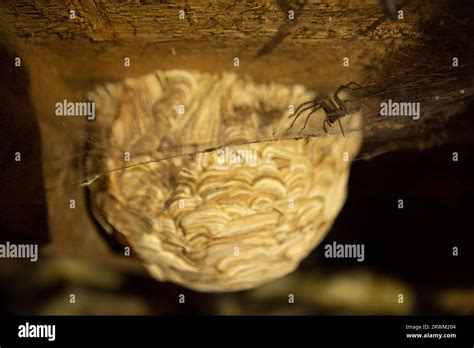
[{"x": 67, "y": 58}]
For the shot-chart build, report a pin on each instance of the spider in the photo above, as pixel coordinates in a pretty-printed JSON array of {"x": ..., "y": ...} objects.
[{"x": 334, "y": 108}]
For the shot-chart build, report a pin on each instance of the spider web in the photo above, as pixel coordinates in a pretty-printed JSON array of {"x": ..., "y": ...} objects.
[{"x": 442, "y": 93}]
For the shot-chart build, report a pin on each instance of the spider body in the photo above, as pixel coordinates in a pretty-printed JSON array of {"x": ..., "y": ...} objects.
[{"x": 335, "y": 108}]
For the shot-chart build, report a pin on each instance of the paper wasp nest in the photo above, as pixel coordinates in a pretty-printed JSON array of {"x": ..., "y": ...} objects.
[{"x": 229, "y": 218}]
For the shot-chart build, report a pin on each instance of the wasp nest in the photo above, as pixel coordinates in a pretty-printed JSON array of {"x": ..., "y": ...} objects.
[{"x": 223, "y": 219}]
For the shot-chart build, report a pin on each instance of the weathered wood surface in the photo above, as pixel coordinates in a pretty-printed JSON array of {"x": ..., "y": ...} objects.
[{"x": 307, "y": 50}]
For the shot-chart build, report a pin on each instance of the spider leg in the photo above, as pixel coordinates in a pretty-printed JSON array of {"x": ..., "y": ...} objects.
[
  {"x": 354, "y": 86},
  {"x": 300, "y": 106},
  {"x": 340, "y": 125},
  {"x": 324, "y": 125},
  {"x": 307, "y": 117},
  {"x": 316, "y": 104},
  {"x": 298, "y": 115}
]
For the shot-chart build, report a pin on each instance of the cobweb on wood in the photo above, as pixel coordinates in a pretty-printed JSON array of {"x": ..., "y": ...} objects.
[{"x": 442, "y": 93}]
